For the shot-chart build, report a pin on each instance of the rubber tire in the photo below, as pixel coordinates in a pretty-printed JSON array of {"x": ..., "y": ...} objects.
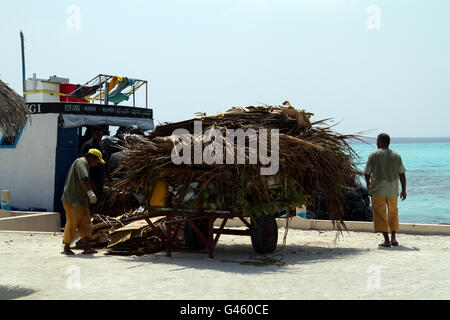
[
  {"x": 191, "y": 239},
  {"x": 264, "y": 234}
]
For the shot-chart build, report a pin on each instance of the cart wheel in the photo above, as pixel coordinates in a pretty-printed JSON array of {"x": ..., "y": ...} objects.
[
  {"x": 192, "y": 240},
  {"x": 264, "y": 234}
]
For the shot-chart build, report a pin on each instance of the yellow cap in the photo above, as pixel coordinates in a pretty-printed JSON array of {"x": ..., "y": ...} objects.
[{"x": 98, "y": 154}]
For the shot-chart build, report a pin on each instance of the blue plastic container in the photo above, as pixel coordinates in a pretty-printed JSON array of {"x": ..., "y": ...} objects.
[
  {"x": 6, "y": 200},
  {"x": 6, "y": 205}
]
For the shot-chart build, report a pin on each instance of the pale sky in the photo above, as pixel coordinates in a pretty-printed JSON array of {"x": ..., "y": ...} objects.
[{"x": 381, "y": 65}]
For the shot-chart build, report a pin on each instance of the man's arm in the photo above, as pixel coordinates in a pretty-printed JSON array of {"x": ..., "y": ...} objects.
[
  {"x": 106, "y": 157},
  {"x": 85, "y": 185},
  {"x": 367, "y": 181},
  {"x": 368, "y": 171},
  {"x": 91, "y": 184},
  {"x": 403, "y": 183}
]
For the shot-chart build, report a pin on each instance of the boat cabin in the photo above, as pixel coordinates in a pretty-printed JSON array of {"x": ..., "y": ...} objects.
[{"x": 35, "y": 162}]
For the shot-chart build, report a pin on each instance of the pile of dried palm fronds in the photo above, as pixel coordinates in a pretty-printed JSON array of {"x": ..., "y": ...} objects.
[
  {"x": 115, "y": 202},
  {"x": 312, "y": 158},
  {"x": 127, "y": 234},
  {"x": 13, "y": 110}
]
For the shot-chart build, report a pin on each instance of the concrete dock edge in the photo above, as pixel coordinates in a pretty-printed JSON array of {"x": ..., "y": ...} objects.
[
  {"x": 30, "y": 221},
  {"x": 359, "y": 226}
]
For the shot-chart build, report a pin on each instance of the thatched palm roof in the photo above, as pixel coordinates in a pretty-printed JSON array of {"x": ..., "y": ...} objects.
[{"x": 13, "y": 110}]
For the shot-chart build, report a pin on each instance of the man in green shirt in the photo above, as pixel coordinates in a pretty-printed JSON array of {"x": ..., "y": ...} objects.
[
  {"x": 76, "y": 198},
  {"x": 383, "y": 170}
]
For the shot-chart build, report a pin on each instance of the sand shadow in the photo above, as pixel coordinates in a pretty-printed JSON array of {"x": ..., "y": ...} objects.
[
  {"x": 79, "y": 255},
  {"x": 241, "y": 258},
  {"x": 398, "y": 248},
  {"x": 403, "y": 248},
  {"x": 10, "y": 293}
]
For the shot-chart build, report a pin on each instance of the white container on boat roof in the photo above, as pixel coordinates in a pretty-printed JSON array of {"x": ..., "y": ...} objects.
[{"x": 43, "y": 89}]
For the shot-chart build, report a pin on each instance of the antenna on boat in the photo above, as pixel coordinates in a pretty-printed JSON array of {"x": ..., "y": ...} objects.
[{"x": 23, "y": 63}]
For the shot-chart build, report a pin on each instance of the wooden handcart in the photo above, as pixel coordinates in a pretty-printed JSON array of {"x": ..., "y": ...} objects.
[{"x": 201, "y": 236}]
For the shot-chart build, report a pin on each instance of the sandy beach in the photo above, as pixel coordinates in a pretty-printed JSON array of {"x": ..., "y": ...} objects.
[{"x": 311, "y": 266}]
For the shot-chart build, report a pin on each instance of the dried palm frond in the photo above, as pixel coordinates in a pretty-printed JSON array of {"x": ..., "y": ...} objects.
[{"x": 13, "y": 110}]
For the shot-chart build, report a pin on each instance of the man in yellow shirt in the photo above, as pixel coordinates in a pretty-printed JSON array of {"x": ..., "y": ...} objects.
[
  {"x": 383, "y": 170},
  {"x": 76, "y": 198}
]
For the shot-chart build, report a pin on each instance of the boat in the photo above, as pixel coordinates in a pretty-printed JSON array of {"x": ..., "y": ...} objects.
[{"x": 35, "y": 159}]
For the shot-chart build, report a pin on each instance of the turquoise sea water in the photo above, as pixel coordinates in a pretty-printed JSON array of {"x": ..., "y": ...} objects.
[{"x": 427, "y": 163}]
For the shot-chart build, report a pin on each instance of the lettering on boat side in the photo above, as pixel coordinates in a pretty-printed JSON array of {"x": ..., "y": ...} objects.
[{"x": 89, "y": 109}]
